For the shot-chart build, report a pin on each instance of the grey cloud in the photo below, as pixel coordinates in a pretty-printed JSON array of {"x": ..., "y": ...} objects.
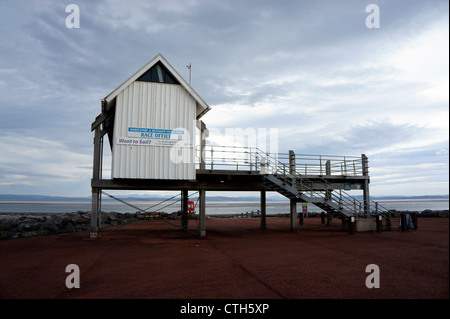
[{"x": 248, "y": 53}]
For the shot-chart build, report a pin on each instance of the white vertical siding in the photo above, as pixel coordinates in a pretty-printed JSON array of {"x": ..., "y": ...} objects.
[{"x": 155, "y": 106}]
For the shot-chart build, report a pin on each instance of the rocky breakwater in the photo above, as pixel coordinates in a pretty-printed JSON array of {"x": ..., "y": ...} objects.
[
  {"x": 24, "y": 225},
  {"x": 425, "y": 213}
]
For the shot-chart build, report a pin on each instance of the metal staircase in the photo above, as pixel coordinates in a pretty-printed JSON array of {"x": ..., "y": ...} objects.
[
  {"x": 292, "y": 180},
  {"x": 318, "y": 192},
  {"x": 332, "y": 201},
  {"x": 336, "y": 202}
]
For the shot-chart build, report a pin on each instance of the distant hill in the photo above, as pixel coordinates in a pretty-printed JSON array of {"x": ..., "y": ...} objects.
[
  {"x": 412, "y": 197},
  {"x": 38, "y": 197},
  {"x": 14, "y": 197}
]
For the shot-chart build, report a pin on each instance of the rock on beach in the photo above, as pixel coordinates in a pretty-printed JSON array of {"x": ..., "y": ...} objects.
[{"x": 24, "y": 225}]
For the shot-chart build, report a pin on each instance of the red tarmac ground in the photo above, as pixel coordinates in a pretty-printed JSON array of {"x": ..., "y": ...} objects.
[{"x": 153, "y": 259}]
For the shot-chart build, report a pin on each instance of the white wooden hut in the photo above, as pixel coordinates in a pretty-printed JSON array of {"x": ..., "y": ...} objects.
[{"x": 153, "y": 131}]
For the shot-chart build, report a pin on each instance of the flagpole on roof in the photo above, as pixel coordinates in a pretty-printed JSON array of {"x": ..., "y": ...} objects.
[{"x": 189, "y": 67}]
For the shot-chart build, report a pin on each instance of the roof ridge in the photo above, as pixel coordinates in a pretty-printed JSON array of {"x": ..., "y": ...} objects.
[{"x": 159, "y": 58}]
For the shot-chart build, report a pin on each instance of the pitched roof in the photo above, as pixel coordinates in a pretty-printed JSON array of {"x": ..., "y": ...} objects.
[{"x": 159, "y": 58}]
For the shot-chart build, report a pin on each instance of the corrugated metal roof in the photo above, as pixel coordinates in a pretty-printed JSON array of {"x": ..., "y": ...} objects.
[{"x": 203, "y": 106}]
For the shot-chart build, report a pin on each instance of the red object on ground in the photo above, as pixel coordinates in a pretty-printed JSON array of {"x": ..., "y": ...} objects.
[{"x": 153, "y": 259}]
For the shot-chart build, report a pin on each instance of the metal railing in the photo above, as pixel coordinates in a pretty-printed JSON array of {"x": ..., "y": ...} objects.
[
  {"x": 255, "y": 160},
  {"x": 240, "y": 158},
  {"x": 307, "y": 164},
  {"x": 230, "y": 158}
]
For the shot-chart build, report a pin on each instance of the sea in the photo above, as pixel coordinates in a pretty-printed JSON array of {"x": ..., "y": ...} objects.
[{"x": 212, "y": 207}]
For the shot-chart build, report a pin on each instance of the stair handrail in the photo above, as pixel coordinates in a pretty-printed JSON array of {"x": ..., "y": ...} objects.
[{"x": 345, "y": 199}]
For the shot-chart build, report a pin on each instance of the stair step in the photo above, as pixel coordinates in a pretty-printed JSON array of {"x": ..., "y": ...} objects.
[{"x": 291, "y": 191}]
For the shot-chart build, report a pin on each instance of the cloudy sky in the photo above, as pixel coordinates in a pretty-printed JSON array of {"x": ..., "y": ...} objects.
[{"x": 311, "y": 69}]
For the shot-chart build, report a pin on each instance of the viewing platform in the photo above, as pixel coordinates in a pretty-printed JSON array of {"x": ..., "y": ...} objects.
[
  {"x": 152, "y": 121},
  {"x": 322, "y": 180}
]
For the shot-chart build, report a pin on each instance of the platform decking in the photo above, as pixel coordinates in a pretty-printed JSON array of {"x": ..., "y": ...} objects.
[{"x": 322, "y": 180}]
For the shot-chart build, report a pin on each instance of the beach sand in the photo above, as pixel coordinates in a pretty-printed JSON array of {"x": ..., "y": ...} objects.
[{"x": 154, "y": 259}]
